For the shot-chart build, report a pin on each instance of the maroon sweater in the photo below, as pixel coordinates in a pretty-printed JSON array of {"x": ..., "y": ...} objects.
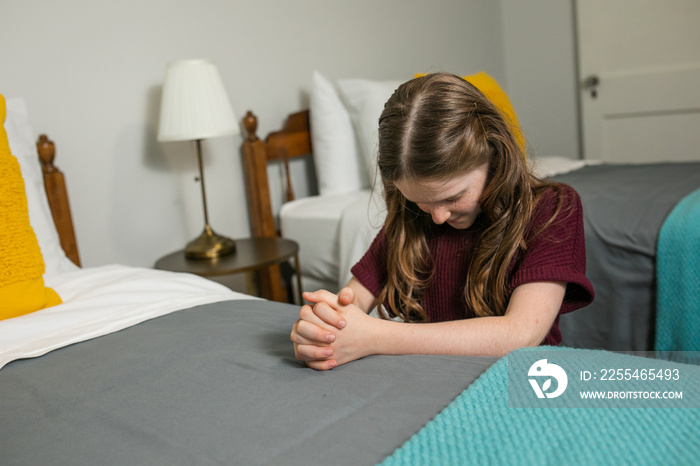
[{"x": 558, "y": 253}]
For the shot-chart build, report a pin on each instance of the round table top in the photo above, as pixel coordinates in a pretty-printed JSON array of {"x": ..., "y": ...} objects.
[{"x": 251, "y": 254}]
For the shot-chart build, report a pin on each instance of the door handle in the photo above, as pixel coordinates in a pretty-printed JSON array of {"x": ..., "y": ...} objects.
[{"x": 590, "y": 84}]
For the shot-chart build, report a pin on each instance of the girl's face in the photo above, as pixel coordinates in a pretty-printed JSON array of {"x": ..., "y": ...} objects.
[{"x": 453, "y": 200}]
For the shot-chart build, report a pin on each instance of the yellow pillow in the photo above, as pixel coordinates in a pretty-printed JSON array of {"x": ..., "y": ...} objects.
[
  {"x": 490, "y": 88},
  {"x": 22, "y": 287}
]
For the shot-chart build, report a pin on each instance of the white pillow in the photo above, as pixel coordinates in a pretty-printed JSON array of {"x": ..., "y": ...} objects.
[
  {"x": 552, "y": 165},
  {"x": 365, "y": 101},
  {"x": 339, "y": 168},
  {"x": 22, "y": 146}
]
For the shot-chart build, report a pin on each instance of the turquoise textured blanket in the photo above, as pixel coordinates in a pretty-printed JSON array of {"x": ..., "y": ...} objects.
[
  {"x": 479, "y": 427},
  {"x": 678, "y": 278}
]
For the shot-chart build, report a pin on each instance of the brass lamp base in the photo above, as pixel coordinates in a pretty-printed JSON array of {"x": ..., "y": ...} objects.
[{"x": 209, "y": 245}]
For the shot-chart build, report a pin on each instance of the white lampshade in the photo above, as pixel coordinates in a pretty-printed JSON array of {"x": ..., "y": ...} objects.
[{"x": 194, "y": 103}]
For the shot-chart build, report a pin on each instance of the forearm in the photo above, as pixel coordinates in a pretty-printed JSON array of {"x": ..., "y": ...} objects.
[
  {"x": 485, "y": 336},
  {"x": 532, "y": 310}
]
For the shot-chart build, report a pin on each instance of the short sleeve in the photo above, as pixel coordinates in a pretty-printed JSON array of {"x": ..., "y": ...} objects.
[
  {"x": 556, "y": 249},
  {"x": 371, "y": 270}
]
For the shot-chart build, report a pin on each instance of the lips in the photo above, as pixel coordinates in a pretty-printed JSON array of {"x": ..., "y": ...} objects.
[
  {"x": 462, "y": 222},
  {"x": 458, "y": 222}
]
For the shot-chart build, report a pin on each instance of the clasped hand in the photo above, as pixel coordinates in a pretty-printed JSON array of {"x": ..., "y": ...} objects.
[{"x": 332, "y": 330}]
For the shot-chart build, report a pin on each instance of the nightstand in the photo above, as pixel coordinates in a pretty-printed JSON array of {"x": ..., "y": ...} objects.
[{"x": 252, "y": 254}]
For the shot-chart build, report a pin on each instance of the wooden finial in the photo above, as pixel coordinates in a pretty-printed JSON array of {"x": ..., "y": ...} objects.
[
  {"x": 250, "y": 122},
  {"x": 47, "y": 152}
]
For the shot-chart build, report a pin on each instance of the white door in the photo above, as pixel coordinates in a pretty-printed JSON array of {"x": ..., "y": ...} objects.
[{"x": 639, "y": 69}]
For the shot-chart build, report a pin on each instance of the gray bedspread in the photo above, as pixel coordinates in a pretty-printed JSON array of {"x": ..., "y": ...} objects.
[
  {"x": 217, "y": 384},
  {"x": 624, "y": 207}
]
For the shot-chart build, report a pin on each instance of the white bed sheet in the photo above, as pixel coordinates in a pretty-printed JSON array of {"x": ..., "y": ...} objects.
[
  {"x": 313, "y": 223},
  {"x": 102, "y": 300},
  {"x": 553, "y": 165},
  {"x": 334, "y": 232}
]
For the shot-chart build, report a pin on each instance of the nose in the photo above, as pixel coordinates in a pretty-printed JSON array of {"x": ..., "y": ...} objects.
[{"x": 440, "y": 214}]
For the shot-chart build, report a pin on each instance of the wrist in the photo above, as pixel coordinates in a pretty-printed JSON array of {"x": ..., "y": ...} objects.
[{"x": 381, "y": 336}]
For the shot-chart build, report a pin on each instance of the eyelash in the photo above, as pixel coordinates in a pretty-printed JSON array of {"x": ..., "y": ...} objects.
[{"x": 448, "y": 201}]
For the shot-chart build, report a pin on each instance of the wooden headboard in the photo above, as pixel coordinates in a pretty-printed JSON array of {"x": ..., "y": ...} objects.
[
  {"x": 293, "y": 140},
  {"x": 55, "y": 185}
]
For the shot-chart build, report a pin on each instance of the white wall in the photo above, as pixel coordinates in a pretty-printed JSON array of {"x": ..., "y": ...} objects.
[
  {"x": 540, "y": 59},
  {"x": 91, "y": 74}
]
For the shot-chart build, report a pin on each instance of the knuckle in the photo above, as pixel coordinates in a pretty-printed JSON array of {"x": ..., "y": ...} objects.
[
  {"x": 320, "y": 307},
  {"x": 302, "y": 327},
  {"x": 305, "y": 313}
]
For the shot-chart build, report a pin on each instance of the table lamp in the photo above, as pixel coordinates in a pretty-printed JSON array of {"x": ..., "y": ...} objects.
[{"x": 194, "y": 107}]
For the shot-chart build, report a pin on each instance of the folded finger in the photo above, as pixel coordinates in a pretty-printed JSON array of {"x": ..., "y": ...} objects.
[
  {"x": 346, "y": 296},
  {"x": 305, "y": 332},
  {"x": 329, "y": 315},
  {"x": 321, "y": 296},
  {"x": 308, "y": 353},
  {"x": 312, "y": 296},
  {"x": 322, "y": 365}
]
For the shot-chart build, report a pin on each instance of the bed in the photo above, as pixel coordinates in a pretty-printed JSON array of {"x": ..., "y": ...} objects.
[
  {"x": 139, "y": 366},
  {"x": 625, "y": 207}
]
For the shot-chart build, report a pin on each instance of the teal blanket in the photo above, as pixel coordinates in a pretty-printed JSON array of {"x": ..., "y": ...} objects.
[
  {"x": 479, "y": 427},
  {"x": 678, "y": 278}
]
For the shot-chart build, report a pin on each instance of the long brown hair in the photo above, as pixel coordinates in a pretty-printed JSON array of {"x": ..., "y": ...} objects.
[{"x": 434, "y": 127}]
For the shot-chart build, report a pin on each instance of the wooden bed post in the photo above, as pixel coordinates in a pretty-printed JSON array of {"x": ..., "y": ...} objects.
[
  {"x": 255, "y": 166},
  {"x": 261, "y": 218},
  {"x": 55, "y": 186},
  {"x": 293, "y": 140}
]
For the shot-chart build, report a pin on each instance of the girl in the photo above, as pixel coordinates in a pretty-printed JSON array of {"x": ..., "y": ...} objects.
[{"x": 476, "y": 255}]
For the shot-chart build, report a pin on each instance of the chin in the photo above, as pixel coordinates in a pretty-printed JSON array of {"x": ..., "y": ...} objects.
[{"x": 461, "y": 224}]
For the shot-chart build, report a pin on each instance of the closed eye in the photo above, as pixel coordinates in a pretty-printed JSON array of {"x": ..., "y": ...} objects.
[{"x": 453, "y": 199}]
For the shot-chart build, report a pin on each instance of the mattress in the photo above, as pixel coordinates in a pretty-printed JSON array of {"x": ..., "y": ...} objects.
[
  {"x": 314, "y": 223},
  {"x": 217, "y": 384},
  {"x": 101, "y": 300},
  {"x": 624, "y": 208}
]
